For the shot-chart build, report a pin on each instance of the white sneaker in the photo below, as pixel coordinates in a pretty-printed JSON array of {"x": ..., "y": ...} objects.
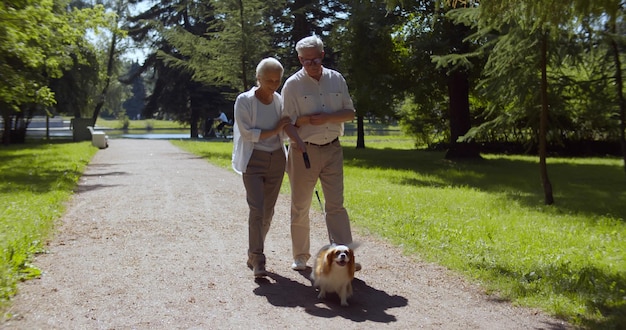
[{"x": 299, "y": 264}]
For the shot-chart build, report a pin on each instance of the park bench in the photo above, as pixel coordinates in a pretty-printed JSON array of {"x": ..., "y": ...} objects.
[{"x": 98, "y": 138}]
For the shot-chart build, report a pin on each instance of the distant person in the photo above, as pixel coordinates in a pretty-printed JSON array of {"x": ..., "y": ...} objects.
[
  {"x": 318, "y": 102},
  {"x": 259, "y": 154},
  {"x": 208, "y": 128},
  {"x": 223, "y": 119}
]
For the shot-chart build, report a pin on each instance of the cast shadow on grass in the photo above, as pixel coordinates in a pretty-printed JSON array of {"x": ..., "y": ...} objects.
[
  {"x": 592, "y": 189},
  {"x": 214, "y": 156},
  {"x": 33, "y": 178},
  {"x": 367, "y": 303},
  {"x": 21, "y": 179},
  {"x": 603, "y": 293}
]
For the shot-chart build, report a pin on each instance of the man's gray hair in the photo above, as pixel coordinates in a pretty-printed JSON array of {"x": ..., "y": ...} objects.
[
  {"x": 268, "y": 64},
  {"x": 310, "y": 42}
]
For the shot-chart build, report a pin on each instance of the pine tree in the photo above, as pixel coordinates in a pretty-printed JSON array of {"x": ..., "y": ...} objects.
[
  {"x": 368, "y": 60},
  {"x": 525, "y": 38}
]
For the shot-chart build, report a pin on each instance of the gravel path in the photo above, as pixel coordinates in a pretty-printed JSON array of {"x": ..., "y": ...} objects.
[{"x": 156, "y": 238}]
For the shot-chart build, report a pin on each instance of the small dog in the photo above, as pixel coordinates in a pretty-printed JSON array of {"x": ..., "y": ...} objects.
[{"x": 333, "y": 271}]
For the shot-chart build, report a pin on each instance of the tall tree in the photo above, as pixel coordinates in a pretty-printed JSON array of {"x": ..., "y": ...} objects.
[
  {"x": 74, "y": 91},
  {"x": 368, "y": 60},
  {"x": 528, "y": 34},
  {"x": 112, "y": 60},
  {"x": 133, "y": 106},
  {"x": 175, "y": 31},
  {"x": 450, "y": 42},
  {"x": 239, "y": 39},
  {"x": 38, "y": 40},
  {"x": 615, "y": 38}
]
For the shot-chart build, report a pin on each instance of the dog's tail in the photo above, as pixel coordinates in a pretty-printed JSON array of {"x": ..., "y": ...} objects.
[{"x": 354, "y": 245}]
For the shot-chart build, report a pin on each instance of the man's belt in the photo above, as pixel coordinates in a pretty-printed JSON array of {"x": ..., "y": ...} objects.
[{"x": 323, "y": 145}]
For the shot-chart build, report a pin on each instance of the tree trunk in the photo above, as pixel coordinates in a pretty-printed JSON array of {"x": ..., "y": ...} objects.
[
  {"x": 194, "y": 120},
  {"x": 301, "y": 25},
  {"x": 244, "y": 72},
  {"x": 6, "y": 133},
  {"x": 360, "y": 132},
  {"x": 543, "y": 124},
  {"x": 619, "y": 85},
  {"x": 110, "y": 62},
  {"x": 458, "y": 93}
]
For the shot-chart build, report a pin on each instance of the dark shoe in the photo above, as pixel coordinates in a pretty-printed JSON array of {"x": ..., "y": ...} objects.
[{"x": 259, "y": 271}]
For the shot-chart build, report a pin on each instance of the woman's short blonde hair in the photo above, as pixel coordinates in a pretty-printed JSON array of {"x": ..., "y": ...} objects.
[{"x": 268, "y": 64}]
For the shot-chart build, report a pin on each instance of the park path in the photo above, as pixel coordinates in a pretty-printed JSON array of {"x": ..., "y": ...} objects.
[{"x": 156, "y": 238}]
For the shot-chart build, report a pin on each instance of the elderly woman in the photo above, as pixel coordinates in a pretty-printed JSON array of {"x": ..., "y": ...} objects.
[{"x": 259, "y": 154}]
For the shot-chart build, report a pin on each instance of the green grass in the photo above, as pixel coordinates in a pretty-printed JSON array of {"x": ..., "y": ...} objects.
[
  {"x": 141, "y": 124},
  {"x": 486, "y": 220},
  {"x": 36, "y": 179}
]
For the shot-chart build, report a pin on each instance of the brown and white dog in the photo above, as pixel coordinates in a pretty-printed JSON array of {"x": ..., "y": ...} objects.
[{"x": 333, "y": 271}]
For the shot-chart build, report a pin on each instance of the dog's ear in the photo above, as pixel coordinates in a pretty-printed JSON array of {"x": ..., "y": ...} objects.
[
  {"x": 351, "y": 263},
  {"x": 329, "y": 259}
]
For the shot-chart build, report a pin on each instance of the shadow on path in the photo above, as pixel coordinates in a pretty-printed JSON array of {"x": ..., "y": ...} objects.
[{"x": 366, "y": 304}]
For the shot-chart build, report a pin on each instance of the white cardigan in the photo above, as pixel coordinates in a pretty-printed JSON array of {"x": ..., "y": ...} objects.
[{"x": 245, "y": 133}]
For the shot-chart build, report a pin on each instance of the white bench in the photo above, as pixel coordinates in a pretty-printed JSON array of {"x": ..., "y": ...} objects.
[{"x": 98, "y": 138}]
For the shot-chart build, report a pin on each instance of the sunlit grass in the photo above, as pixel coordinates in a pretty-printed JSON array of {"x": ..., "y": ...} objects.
[
  {"x": 141, "y": 124},
  {"x": 486, "y": 219},
  {"x": 36, "y": 179}
]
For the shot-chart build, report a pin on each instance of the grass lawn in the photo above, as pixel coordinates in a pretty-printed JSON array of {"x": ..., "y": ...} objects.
[
  {"x": 141, "y": 124},
  {"x": 36, "y": 179},
  {"x": 486, "y": 219}
]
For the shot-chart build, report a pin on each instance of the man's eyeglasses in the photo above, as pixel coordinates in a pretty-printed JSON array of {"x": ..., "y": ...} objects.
[{"x": 316, "y": 61}]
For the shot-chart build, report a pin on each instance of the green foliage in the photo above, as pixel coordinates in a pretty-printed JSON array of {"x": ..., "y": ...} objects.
[
  {"x": 37, "y": 41},
  {"x": 124, "y": 122},
  {"x": 370, "y": 24},
  {"x": 432, "y": 45},
  {"x": 133, "y": 106},
  {"x": 228, "y": 50},
  {"x": 575, "y": 103},
  {"x": 241, "y": 40},
  {"x": 182, "y": 90},
  {"x": 36, "y": 179},
  {"x": 423, "y": 121},
  {"x": 478, "y": 219},
  {"x": 74, "y": 91}
]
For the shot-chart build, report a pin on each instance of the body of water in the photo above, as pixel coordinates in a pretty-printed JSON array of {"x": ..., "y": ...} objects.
[{"x": 167, "y": 134}]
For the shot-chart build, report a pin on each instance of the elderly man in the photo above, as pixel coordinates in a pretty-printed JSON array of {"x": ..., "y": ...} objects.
[{"x": 317, "y": 101}]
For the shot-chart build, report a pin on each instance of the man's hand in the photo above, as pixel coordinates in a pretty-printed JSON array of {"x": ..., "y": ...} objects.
[
  {"x": 322, "y": 118},
  {"x": 319, "y": 118},
  {"x": 314, "y": 119}
]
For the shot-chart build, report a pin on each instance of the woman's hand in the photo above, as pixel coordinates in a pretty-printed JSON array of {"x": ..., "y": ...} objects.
[{"x": 280, "y": 126}]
